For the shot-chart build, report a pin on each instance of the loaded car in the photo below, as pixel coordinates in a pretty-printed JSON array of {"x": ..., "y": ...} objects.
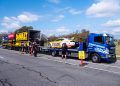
[{"x": 58, "y": 43}]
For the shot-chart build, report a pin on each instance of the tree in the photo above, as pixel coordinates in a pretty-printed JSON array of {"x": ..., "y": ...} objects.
[
  {"x": 0, "y": 38},
  {"x": 79, "y": 36},
  {"x": 52, "y": 38},
  {"x": 24, "y": 28},
  {"x": 84, "y": 35},
  {"x": 83, "y": 30}
]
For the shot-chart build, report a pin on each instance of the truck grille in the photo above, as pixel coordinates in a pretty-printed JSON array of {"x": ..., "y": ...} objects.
[{"x": 112, "y": 51}]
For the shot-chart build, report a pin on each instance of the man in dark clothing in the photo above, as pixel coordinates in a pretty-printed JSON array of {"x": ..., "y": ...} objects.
[
  {"x": 23, "y": 47},
  {"x": 64, "y": 50},
  {"x": 35, "y": 49}
]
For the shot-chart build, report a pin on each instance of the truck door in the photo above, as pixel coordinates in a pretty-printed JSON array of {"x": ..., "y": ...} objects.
[
  {"x": 96, "y": 47},
  {"x": 96, "y": 43},
  {"x": 99, "y": 40},
  {"x": 99, "y": 46}
]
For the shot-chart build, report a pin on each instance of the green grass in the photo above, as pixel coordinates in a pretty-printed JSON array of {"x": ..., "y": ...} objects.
[
  {"x": 118, "y": 58},
  {"x": 118, "y": 51}
]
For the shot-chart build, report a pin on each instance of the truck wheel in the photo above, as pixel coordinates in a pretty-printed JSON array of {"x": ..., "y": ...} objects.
[
  {"x": 95, "y": 58},
  {"x": 54, "y": 53},
  {"x": 114, "y": 59}
]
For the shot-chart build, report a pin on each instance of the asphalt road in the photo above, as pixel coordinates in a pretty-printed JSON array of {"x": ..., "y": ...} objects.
[{"x": 25, "y": 70}]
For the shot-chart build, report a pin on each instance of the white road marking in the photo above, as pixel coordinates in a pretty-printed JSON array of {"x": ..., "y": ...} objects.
[
  {"x": 110, "y": 65},
  {"x": 95, "y": 68},
  {"x": 107, "y": 65},
  {"x": 1, "y": 57},
  {"x": 101, "y": 69},
  {"x": 118, "y": 73}
]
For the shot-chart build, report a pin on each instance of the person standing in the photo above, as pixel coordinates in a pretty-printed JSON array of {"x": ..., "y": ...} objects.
[
  {"x": 23, "y": 48},
  {"x": 30, "y": 48},
  {"x": 26, "y": 47},
  {"x": 64, "y": 51},
  {"x": 35, "y": 49}
]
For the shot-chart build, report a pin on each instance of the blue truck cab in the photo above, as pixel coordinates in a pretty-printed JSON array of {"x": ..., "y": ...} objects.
[{"x": 100, "y": 46}]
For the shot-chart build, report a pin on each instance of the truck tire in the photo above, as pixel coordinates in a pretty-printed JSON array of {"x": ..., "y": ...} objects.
[
  {"x": 114, "y": 59},
  {"x": 95, "y": 58},
  {"x": 54, "y": 53}
]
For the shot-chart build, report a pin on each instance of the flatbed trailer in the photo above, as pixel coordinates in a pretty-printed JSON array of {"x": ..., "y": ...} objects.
[
  {"x": 97, "y": 47},
  {"x": 57, "y": 52}
]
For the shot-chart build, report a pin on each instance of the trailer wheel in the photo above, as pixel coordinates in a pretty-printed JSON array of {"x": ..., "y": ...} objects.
[
  {"x": 95, "y": 58},
  {"x": 54, "y": 53}
]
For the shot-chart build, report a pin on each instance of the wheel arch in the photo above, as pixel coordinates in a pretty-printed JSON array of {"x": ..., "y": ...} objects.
[{"x": 92, "y": 53}]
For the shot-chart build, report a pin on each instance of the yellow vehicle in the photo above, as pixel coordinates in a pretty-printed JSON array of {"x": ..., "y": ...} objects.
[
  {"x": 58, "y": 43},
  {"x": 20, "y": 38},
  {"x": 26, "y": 37}
]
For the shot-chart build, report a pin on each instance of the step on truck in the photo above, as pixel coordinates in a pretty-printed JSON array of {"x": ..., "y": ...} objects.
[{"x": 97, "y": 47}]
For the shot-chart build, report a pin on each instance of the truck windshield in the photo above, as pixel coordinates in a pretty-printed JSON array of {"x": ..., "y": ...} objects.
[{"x": 110, "y": 40}]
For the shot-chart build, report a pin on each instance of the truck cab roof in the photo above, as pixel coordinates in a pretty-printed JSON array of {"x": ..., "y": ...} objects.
[{"x": 101, "y": 34}]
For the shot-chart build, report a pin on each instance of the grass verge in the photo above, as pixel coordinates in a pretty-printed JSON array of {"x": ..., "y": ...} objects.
[{"x": 118, "y": 51}]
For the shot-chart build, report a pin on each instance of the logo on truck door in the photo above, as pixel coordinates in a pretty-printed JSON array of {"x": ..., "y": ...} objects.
[
  {"x": 99, "y": 48},
  {"x": 105, "y": 51}
]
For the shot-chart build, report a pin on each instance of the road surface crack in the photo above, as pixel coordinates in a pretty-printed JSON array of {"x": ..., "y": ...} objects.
[
  {"x": 5, "y": 82},
  {"x": 41, "y": 75},
  {"x": 2, "y": 62}
]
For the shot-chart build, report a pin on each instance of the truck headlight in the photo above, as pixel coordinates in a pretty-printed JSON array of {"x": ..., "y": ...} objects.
[
  {"x": 107, "y": 51},
  {"x": 109, "y": 55}
]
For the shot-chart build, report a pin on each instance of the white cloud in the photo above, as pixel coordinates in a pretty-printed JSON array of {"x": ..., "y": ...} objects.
[
  {"x": 78, "y": 26},
  {"x": 62, "y": 29},
  {"x": 3, "y": 31},
  {"x": 27, "y": 17},
  {"x": 70, "y": 10},
  {"x": 58, "y": 18},
  {"x": 74, "y": 11},
  {"x": 61, "y": 10},
  {"x": 112, "y": 23},
  {"x": 10, "y": 19},
  {"x": 116, "y": 30},
  {"x": 58, "y": 31},
  {"x": 116, "y": 33},
  {"x": 54, "y": 1},
  {"x": 11, "y": 23},
  {"x": 104, "y": 8}
]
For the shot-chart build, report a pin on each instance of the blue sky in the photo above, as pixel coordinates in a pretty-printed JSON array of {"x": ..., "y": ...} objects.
[{"x": 61, "y": 16}]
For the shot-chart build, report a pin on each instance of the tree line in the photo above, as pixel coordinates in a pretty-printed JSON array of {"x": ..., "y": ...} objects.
[
  {"x": 79, "y": 36},
  {"x": 22, "y": 29}
]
